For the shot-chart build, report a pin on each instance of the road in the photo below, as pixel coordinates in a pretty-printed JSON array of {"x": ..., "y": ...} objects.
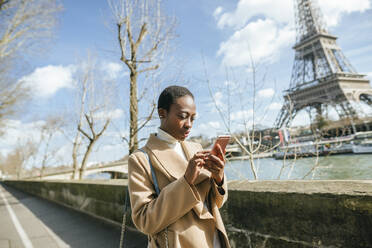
[{"x": 31, "y": 222}]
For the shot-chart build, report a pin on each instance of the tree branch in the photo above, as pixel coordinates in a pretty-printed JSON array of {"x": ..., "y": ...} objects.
[
  {"x": 155, "y": 67},
  {"x": 84, "y": 133},
  {"x": 141, "y": 35},
  {"x": 104, "y": 128},
  {"x": 149, "y": 118}
]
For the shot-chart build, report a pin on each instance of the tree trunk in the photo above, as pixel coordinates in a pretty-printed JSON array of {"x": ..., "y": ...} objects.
[
  {"x": 74, "y": 159},
  {"x": 133, "y": 134},
  {"x": 85, "y": 159}
]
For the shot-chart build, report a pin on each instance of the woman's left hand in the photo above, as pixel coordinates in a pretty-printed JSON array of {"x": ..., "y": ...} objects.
[{"x": 216, "y": 164}]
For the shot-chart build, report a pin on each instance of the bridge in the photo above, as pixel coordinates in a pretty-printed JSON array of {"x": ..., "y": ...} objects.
[{"x": 117, "y": 170}]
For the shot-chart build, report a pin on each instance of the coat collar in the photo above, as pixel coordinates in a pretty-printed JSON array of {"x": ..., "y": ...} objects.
[
  {"x": 167, "y": 157},
  {"x": 172, "y": 162}
]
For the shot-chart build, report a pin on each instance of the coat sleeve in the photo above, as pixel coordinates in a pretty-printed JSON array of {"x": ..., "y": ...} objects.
[
  {"x": 220, "y": 193},
  {"x": 152, "y": 214}
]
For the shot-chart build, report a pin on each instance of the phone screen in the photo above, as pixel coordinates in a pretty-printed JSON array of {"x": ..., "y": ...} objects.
[{"x": 222, "y": 140}]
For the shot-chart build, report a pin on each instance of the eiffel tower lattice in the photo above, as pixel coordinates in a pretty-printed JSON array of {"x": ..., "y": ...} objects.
[{"x": 322, "y": 76}]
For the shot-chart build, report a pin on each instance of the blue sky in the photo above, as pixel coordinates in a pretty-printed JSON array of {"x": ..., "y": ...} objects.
[{"x": 225, "y": 33}]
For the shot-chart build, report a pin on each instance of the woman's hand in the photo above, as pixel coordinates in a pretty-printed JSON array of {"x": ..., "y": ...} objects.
[
  {"x": 216, "y": 164},
  {"x": 195, "y": 164}
]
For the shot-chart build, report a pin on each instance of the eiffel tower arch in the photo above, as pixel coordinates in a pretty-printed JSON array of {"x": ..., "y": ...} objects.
[{"x": 322, "y": 77}]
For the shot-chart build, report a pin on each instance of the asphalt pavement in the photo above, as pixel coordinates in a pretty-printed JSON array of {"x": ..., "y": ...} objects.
[{"x": 32, "y": 222}]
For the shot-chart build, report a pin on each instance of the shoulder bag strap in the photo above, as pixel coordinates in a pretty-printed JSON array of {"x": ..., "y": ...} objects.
[
  {"x": 156, "y": 185},
  {"x": 157, "y": 190}
]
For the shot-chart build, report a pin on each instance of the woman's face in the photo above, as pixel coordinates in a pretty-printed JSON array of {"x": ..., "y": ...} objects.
[{"x": 180, "y": 117}]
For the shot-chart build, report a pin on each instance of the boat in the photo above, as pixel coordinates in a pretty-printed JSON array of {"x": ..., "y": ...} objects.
[
  {"x": 363, "y": 147},
  {"x": 313, "y": 149}
]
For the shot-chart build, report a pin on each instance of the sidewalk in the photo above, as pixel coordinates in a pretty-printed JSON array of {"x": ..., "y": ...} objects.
[{"x": 46, "y": 224}]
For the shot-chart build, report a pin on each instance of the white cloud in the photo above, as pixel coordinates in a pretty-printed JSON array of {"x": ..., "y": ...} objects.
[
  {"x": 218, "y": 96},
  {"x": 209, "y": 125},
  {"x": 218, "y": 100},
  {"x": 364, "y": 110},
  {"x": 112, "y": 114},
  {"x": 18, "y": 132},
  {"x": 369, "y": 76},
  {"x": 261, "y": 41},
  {"x": 334, "y": 9},
  {"x": 242, "y": 115},
  {"x": 280, "y": 11},
  {"x": 275, "y": 106},
  {"x": 46, "y": 81},
  {"x": 116, "y": 151},
  {"x": 63, "y": 155},
  {"x": 332, "y": 113},
  {"x": 266, "y": 93},
  {"x": 261, "y": 28},
  {"x": 113, "y": 70},
  {"x": 301, "y": 119},
  {"x": 217, "y": 11},
  {"x": 208, "y": 129},
  {"x": 214, "y": 124}
]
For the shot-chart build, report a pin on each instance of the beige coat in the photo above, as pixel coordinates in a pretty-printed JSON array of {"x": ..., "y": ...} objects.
[{"x": 180, "y": 207}]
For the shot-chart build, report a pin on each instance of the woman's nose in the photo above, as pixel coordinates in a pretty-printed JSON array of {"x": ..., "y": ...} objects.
[{"x": 188, "y": 122}]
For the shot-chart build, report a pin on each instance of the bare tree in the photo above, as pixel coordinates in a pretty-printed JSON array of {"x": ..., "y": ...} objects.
[
  {"x": 253, "y": 147},
  {"x": 25, "y": 26},
  {"x": 3, "y": 4},
  {"x": 52, "y": 126},
  {"x": 14, "y": 162},
  {"x": 94, "y": 113},
  {"x": 12, "y": 95},
  {"x": 143, "y": 32}
]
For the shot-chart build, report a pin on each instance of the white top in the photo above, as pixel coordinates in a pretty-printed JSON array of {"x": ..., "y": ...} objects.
[
  {"x": 176, "y": 145},
  {"x": 172, "y": 142}
]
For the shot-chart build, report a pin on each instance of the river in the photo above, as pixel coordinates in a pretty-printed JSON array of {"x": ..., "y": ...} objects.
[{"x": 336, "y": 167}]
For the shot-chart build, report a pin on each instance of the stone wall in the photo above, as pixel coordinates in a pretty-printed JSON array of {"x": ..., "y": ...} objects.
[
  {"x": 102, "y": 199},
  {"x": 257, "y": 214},
  {"x": 300, "y": 214}
]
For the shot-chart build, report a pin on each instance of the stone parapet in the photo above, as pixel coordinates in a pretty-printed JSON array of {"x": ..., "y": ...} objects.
[
  {"x": 257, "y": 214},
  {"x": 299, "y": 213}
]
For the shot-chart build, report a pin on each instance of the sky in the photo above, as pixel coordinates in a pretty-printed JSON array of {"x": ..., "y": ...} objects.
[{"x": 217, "y": 42}]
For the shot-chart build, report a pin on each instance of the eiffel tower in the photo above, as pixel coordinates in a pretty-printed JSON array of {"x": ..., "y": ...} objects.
[{"x": 322, "y": 77}]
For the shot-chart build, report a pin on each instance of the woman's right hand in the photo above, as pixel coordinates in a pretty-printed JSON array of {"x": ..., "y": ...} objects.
[{"x": 195, "y": 165}]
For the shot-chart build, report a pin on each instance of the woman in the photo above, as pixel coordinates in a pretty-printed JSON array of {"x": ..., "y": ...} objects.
[{"x": 191, "y": 181}]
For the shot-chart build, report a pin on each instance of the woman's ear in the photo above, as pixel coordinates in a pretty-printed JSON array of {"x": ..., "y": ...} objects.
[{"x": 162, "y": 113}]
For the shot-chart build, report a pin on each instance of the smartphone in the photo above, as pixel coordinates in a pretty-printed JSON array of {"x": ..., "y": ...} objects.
[{"x": 222, "y": 140}]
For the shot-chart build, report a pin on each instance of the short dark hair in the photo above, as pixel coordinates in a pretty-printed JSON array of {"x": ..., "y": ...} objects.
[{"x": 170, "y": 94}]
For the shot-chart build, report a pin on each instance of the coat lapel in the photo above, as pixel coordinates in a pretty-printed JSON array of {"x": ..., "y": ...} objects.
[{"x": 171, "y": 162}]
